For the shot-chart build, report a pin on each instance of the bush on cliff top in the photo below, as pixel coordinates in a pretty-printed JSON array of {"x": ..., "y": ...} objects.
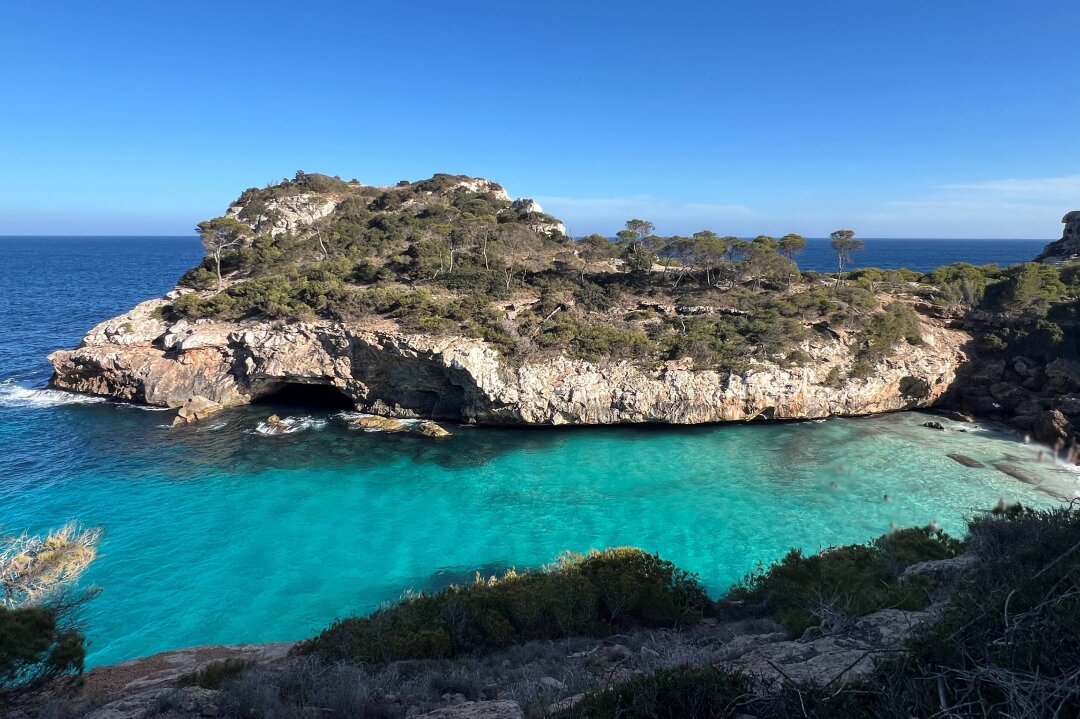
[
  {"x": 802, "y": 591},
  {"x": 592, "y": 595}
]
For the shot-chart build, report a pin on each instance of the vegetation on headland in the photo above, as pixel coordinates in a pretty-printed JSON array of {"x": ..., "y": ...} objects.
[{"x": 452, "y": 255}]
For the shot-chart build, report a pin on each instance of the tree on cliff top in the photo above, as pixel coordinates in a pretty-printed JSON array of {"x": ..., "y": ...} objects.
[
  {"x": 220, "y": 234},
  {"x": 844, "y": 245}
]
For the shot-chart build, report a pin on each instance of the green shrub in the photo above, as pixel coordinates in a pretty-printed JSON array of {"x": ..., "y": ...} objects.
[
  {"x": 847, "y": 581},
  {"x": 215, "y": 675},
  {"x": 35, "y": 646},
  {"x": 595, "y": 595},
  {"x": 677, "y": 693}
]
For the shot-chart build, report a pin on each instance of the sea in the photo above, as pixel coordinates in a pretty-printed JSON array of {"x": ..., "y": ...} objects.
[{"x": 218, "y": 533}]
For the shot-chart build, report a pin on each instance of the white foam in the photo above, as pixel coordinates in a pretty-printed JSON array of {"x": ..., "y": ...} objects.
[
  {"x": 16, "y": 396},
  {"x": 290, "y": 425}
]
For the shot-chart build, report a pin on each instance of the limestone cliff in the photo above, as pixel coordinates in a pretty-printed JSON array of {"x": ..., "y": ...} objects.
[{"x": 138, "y": 357}]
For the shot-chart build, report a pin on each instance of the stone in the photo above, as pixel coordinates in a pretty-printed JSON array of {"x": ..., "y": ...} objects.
[
  {"x": 934, "y": 425},
  {"x": 1063, "y": 376},
  {"x": 382, "y": 424},
  {"x": 196, "y": 409},
  {"x": 617, "y": 653},
  {"x": 498, "y": 709},
  {"x": 1051, "y": 427},
  {"x": 553, "y": 683},
  {"x": 988, "y": 372},
  {"x": 430, "y": 429},
  {"x": 1008, "y": 395},
  {"x": 966, "y": 461}
]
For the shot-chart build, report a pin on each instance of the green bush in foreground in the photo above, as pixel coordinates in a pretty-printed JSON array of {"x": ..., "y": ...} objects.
[
  {"x": 35, "y": 646},
  {"x": 844, "y": 581},
  {"x": 592, "y": 595}
]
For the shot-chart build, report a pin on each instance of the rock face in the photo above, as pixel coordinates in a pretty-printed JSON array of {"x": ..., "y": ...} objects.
[
  {"x": 381, "y": 370},
  {"x": 1067, "y": 249},
  {"x": 288, "y": 214},
  {"x": 539, "y": 220}
]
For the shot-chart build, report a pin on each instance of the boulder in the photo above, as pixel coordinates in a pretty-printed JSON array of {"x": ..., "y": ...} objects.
[
  {"x": 430, "y": 429},
  {"x": 988, "y": 372},
  {"x": 934, "y": 425},
  {"x": 499, "y": 709},
  {"x": 1063, "y": 376},
  {"x": 382, "y": 424},
  {"x": 196, "y": 409},
  {"x": 966, "y": 461},
  {"x": 1008, "y": 395},
  {"x": 1051, "y": 427}
]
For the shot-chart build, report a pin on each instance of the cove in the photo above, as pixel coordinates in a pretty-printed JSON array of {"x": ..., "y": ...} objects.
[{"x": 216, "y": 533}]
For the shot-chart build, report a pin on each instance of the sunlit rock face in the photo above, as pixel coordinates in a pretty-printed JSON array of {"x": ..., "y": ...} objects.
[{"x": 139, "y": 358}]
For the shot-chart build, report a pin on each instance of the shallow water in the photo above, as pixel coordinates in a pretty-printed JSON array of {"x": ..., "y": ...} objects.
[{"x": 221, "y": 533}]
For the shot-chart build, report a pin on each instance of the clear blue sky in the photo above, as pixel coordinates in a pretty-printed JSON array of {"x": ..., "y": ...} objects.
[{"x": 924, "y": 118}]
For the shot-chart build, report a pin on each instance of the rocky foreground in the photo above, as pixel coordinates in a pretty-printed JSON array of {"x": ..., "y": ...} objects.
[{"x": 527, "y": 679}]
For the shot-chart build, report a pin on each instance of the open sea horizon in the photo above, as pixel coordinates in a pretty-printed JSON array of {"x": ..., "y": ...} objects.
[{"x": 217, "y": 533}]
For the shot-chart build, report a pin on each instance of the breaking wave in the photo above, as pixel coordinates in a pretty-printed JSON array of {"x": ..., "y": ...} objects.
[
  {"x": 290, "y": 425},
  {"x": 16, "y": 396}
]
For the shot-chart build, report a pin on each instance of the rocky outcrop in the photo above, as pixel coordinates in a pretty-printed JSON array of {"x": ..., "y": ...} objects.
[
  {"x": 290, "y": 213},
  {"x": 538, "y": 220},
  {"x": 140, "y": 358},
  {"x": 1067, "y": 249}
]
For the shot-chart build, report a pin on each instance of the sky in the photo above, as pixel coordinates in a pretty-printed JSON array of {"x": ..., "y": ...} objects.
[{"x": 920, "y": 118}]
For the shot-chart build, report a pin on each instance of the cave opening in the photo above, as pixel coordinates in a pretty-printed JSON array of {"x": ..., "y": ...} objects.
[{"x": 307, "y": 396}]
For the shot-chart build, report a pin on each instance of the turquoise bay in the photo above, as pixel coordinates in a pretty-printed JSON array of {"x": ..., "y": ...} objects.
[{"x": 219, "y": 534}]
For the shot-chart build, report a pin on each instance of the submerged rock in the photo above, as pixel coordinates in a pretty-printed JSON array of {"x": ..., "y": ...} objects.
[
  {"x": 966, "y": 461},
  {"x": 430, "y": 429}
]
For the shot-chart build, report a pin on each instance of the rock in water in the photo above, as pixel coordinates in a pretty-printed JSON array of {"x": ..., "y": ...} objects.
[
  {"x": 966, "y": 461},
  {"x": 383, "y": 424},
  {"x": 933, "y": 425},
  {"x": 430, "y": 429},
  {"x": 276, "y": 424},
  {"x": 196, "y": 409}
]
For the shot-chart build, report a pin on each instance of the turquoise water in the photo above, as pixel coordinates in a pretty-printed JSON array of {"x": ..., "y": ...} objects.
[{"x": 217, "y": 533}]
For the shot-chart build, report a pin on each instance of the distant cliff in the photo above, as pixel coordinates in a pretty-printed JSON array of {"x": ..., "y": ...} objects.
[{"x": 1067, "y": 249}]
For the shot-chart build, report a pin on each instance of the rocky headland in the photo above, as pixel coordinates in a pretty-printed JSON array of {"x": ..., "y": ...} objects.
[{"x": 199, "y": 360}]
